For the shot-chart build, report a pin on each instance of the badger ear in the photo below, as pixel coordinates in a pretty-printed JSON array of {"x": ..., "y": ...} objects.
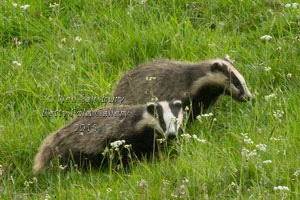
[
  {"x": 177, "y": 104},
  {"x": 151, "y": 107},
  {"x": 227, "y": 58},
  {"x": 216, "y": 67}
]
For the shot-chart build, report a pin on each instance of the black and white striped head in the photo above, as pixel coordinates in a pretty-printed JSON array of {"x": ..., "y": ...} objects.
[
  {"x": 167, "y": 116},
  {"x": 222, "y": 73}
]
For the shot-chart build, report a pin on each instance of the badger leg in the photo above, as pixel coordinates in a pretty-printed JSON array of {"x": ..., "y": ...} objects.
[{"x": 45, "y": 154}]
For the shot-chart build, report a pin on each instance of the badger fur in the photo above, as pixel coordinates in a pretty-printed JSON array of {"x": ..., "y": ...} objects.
[
  {"x": 198, "y": 83},
  {"x": 143, "y": 124}
]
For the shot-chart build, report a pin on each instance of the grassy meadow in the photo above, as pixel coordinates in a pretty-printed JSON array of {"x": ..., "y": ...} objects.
[{"x": 244, "y": 151}]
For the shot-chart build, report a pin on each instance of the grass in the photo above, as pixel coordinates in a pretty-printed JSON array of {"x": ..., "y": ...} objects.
[{"x": 118, "y": 35}]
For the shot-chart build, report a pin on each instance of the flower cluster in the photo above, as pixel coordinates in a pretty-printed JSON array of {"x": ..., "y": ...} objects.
[
  {"x": 267, "y": 69},
  {"x": 161, "y": 140},
  {"x": 281, "y": 188},
  {"x": 116, "y": 144},
  {"x": 198, "y": 139},
  {"x": 261, "y": 147},
  {"x": 266, "y": 37},
  {"x": 195, "y": 137},
  {"x": 54, "y": 5},
  {"x": 246, "y": 153},
  {"x": 270, "y": 96},
  {"x": 247, "y": 140},
  {"x": 278, "y": 114},
  {"x": 267, "y": 161},
  {"x": 17, "y": 63},
  {"x": 294, "y": 5},
  {"x": 142, "y": 183},
  {"x": 186, "y": 135},
  {"x": 206, "y": 115},
  {"x": 1, "y": 170},
  {"x": 78, "y": 39}
]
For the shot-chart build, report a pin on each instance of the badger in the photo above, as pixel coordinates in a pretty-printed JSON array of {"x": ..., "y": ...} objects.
[
  {"x": 140, "y": 129},
  {"x": 199, "y": 84}
]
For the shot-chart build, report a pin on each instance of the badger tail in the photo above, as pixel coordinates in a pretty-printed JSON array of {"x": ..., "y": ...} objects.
[{"x": 45, "y": 154}]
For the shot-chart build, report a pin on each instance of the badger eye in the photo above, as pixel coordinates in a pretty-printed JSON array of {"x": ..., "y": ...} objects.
[{"x": 236, "y": 82}]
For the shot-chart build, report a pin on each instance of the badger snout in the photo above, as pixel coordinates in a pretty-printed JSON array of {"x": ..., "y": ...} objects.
[
  {"x": 246, "y": 97},
  {"x": 173, "y": 128}
]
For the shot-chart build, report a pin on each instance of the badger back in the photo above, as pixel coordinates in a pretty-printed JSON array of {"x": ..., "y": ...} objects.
[
  {"x": 167, "y": 80},
  {"x": 164, "y": 80},
  {"x": 137, "y": 128}
]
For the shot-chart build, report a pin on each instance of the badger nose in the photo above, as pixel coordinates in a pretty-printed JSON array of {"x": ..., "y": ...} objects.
[
  {"x": 172, "y": 136},
  {"x": 249, "y": 96}
]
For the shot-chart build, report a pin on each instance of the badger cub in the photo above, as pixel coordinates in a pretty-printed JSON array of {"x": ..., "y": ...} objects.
[
  {"x": 139, "y": 129},
  {"x": 198, "y": 83}
]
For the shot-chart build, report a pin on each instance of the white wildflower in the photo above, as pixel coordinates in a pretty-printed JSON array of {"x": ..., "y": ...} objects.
[
  {"x": 282, "y": 188},
  {"x": 186, "y": 135},
  {"x": 166, "y": 182},
  {"x": 288, "y": 5},
  {"x": 199, "y": 118},
  {"x": 201, "y": 140},
  {"x": 267, "y": 69},
  {"x": 1, "y": 170},
  {"x": 161, "y": 140},
  {"x": 106, "y": 150},
  {"x": 62, "y": 167},
  {"x": 115, "y": 145},
  {"x": 252, "y": 153},
  {"x": 233, "y": 184},
  {"x": 47, "y": 196},
  {"x": 296, "y": 173},
  {"x": 174, "y": 195},
  {"x": 266, "y": 37},
  {"x": 248, "y": 140},
  {"x": 207, "y": 115},
  {"x": 64, "y": 40},
  {"x": 127, "y": 146},
  {"x": 143, "y": 1},
  {"x": 16, "y": 63},
  {"x": 270, "y": 96},
  {"x": 154, "y": 99},
  {"x": 25, "y": 7},
  {"x": 278, "y": 48},
  {"x": 78, "y": 39},
  {"x": 15, "y": 5},
  {"x": 247, "y": 153},
  {"x": 244, "y": 134},
  {"x": 261, "y": 147},
  {"x": 295, "y": 5},
  {"x": 186, "y": 108},
  {"x": 34, "y": 179},
  {"x": 142, "y": 183},
  {"x": 278, "y": 114},
  {"x": 17, "y": 42},
  {"x": 289, "y": 75},
  {"x": 108, "y": 190},
  {"x": 54, "y": 5},
  {"x": 185, "y": 180},
  {"x": 274, "y": 139},
  {"x": 27, "y": 183},
  {"x": 267, "y": 161}
]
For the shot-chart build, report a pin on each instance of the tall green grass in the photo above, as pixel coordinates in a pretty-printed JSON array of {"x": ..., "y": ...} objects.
[{"x": 115, "y": 37}]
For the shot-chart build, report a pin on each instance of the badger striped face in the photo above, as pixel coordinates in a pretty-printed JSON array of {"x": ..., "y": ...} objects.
[
  {"x": 234, "y": 82},
  {"x": 168, "y": 116}
]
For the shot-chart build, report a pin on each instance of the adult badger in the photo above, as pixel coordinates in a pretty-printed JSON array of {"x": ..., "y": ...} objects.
[
  {"x": 139, "y": 128},
  {"x": 198, "y": 83}
]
